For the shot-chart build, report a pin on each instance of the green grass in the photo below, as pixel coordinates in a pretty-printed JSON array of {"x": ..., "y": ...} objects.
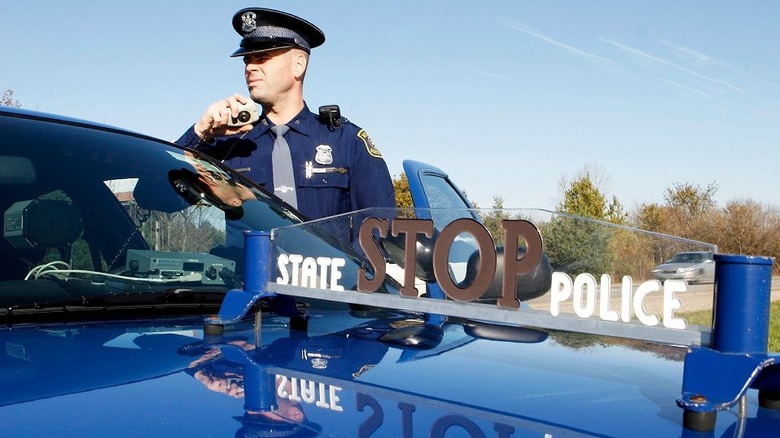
[{"x": 704, "y": 317}]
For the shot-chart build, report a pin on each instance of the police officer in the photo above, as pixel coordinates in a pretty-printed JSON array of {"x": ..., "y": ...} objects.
[{"x": 335, "y": 166}]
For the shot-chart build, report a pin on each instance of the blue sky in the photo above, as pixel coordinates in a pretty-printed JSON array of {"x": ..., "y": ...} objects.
[{"x": 508, "y": 97}]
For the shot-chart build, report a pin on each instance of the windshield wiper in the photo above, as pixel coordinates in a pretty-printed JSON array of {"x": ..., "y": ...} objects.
[{"x": 174, "y": 298}]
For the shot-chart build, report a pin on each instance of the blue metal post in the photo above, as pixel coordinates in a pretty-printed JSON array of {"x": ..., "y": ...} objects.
[
  {"x": 257, "y": 262},
  {"x": 716, "y": 378},
  {"x": 742, "y": 299},
  {"x": 259, "y": 389},
  {"x": 259, "y": 384},
  {"x": 257, "y": 255}
]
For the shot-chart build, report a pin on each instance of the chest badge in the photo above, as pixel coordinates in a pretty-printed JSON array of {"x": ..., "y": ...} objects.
[{"x": 324, "y": 154}]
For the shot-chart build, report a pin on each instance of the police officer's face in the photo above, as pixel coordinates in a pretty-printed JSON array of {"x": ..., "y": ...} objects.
[{"x": 271, "y": 75}]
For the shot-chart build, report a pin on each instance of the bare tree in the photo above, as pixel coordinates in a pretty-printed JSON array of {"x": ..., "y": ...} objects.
[
  {"x": 8, "y": 99},
  {"x": 691, "y": 199},
  {"x": 747, "y": 227}
]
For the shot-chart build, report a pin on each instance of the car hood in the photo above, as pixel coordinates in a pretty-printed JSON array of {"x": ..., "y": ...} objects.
[{"x": 350, "y": 373}]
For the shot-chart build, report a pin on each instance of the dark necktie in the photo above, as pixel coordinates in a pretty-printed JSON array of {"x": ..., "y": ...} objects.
[{"x": 284, "y": 181}]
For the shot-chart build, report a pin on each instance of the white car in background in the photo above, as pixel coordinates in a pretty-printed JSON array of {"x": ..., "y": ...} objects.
[{"x": 692, "y": 267}]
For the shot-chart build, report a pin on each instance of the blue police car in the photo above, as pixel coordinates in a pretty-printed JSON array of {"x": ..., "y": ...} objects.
[{"x": 128, "y": 309}]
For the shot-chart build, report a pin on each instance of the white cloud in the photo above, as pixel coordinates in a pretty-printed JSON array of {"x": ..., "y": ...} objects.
[
  {"x": 573, "y": 50},
  {"x": 647, "y": 56}
]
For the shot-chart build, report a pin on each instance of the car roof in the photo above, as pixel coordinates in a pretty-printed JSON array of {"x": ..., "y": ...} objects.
[{"x": 62, "y": 119}]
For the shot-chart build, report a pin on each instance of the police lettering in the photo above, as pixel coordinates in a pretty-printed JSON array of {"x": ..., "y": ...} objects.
[
  {"x": 309, "y": 392},
  {"x": 411, "y": 228},
  {"x": 586, "y": 294},
  {"x": 320, "y": 272}
]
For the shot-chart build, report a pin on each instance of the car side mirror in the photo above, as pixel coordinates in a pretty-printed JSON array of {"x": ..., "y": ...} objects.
[
  {"x": 423, "y": 269},
  {"x": 529, "y": 286}
]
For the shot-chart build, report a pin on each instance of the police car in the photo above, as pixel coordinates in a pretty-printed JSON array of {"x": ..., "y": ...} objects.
[{"x": 129, "y": 310}]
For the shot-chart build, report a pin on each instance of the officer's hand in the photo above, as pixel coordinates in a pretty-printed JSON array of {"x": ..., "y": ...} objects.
[{"x": 214, "y": 122}]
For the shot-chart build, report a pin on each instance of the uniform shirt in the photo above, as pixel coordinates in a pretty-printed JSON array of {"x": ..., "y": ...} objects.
[{"x": 336, "y": 171}]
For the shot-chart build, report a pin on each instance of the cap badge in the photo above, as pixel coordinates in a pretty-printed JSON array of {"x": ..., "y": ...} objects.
[
  {"x": 324, "y": 154},
  {"x": 248, "y": 23}
]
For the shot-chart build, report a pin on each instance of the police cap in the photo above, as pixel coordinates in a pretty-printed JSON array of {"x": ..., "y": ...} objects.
[{"x": 264, "y": 29}]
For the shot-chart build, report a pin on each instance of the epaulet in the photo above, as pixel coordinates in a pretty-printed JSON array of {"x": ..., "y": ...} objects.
[{"x": 330, "y": 115}]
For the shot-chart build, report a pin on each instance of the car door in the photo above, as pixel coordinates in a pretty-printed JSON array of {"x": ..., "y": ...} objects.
[{"x": 436, "y": 197}]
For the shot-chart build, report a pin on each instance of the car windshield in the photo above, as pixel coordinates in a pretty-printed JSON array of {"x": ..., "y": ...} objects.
[
  {"x": 688, "y": 257},
  {"x": 91, "y": 212}
]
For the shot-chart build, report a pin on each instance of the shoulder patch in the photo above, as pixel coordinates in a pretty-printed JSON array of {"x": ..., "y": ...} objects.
[{"x": 372, "y": 150}]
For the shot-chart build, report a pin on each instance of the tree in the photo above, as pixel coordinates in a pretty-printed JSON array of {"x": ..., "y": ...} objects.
[
  {"x": 8, "y": 99},
  {"x": 688, "y": 211},
  {"x": 747, "y": 227},
  {"x": 583, "y": 197},
  {"x": 689, "y": 199},
  {"x": 576, "y": 245},
  {"x": 492, "y": 220},
  {"x": 741, "y": 227},
  {"x": 651, "y": 217},
  {"x": 403, "y": 197}
]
